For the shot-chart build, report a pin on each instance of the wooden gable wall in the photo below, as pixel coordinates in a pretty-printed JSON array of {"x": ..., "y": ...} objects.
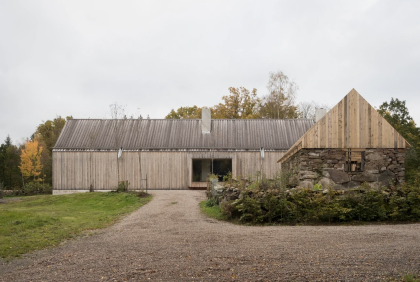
[{"x": 352, "y": 123}]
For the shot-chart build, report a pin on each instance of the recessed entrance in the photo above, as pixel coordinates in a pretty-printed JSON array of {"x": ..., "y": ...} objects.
[{"x": 202, "y": 168}]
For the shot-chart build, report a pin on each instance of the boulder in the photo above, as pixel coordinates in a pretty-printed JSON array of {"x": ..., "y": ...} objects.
[
  {"x": 375, "y": 156},
  {"x": 306, "y": 184},
  {"x": 326, "y": 174},
  {"x": 386, "y": 178},
  {"x": 326, "y": 183},
  {"x": 365, "y": 177},
  {"x": 307, "y": 174},
  {"x": 339, "y": 176}
]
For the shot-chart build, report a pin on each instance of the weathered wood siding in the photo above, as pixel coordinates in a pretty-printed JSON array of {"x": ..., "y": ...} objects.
[
  {"x": 77, "y": 170},
  {"x": 352, "y": 123}
]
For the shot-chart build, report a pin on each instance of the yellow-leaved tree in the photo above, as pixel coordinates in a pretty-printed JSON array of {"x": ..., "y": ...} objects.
[{"x": 31, "y": 160}]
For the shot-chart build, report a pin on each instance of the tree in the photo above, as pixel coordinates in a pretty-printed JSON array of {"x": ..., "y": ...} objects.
[
  {"x": 9, "y": 162},
  {"x": 193, "y": 112},
  {"x": 280, "y": 102},
  {"x": 118, "y": 116},
  {"x": 240, "y": 104},
  {"x": 47, "y": 134},
  {"x": 396, "y": 113},
  {"x": 308, "y": 109},
  {"x": 31, "y": 160}
]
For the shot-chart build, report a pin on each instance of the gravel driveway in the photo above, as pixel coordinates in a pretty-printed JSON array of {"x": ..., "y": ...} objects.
[{"x": 168, "y": 239}]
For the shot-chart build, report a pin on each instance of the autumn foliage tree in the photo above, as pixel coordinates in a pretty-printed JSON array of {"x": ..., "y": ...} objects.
[
  {"x": 242, "y": 103},
  {"x": 239, "y": 104},
  {"x": 193, "y": 112},
  {"x": 31, "y": 166},
  {"x": 47, "y": 134}
]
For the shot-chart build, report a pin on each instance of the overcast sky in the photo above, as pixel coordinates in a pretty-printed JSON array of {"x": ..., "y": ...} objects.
[{"x": 78, "y": 57}]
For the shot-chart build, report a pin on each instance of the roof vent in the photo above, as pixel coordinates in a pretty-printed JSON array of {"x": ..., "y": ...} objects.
[
  {"x": 319, "y": 114},
  {"x": 205, "y": 120}
]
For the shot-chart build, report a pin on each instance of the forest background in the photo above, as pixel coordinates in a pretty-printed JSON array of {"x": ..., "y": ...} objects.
[{"x": 27, "y": 166}]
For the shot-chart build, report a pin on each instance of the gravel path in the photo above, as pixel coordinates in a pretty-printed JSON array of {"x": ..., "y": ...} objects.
[{"x": 168, "y": 239}]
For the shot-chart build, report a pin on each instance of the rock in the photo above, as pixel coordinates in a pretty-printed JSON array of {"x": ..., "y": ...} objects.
[
  {"x": 373, "y": 171},
  {"x": 306, "y": 184},
  {"x": 338, "y": 187},
  {"x": 326, "y": 174},
  {"x": 326, "y": 183},
  {"x": 351, "y": 184},
  {"x": 383, "y": 168},
  {"x": 313, "y": 154},
  {"x": 339, "y": 176},
  {"x": 307, "y": 174},
  {"x": 375, "y": 156},
  {"x": 391, "y": 167},
  {"x": 365, "y": 177},
  {"x": 293, "y": 180},
  {"x": 386, "y": 178},
  {"x": 339, "y": 166}
]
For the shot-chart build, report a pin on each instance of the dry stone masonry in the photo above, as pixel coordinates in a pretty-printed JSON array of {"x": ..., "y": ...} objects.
[{"x": 330, "y": 168}]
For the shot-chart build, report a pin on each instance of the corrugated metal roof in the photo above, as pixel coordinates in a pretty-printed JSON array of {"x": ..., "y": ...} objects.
[{"x": 133, "y": 134}]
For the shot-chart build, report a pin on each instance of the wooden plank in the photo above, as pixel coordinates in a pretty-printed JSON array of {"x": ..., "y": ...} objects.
[
  {"x": 330, "y": 131},
  {"x": 362, "y": 122},
  {"x": 379, "y": 136}
]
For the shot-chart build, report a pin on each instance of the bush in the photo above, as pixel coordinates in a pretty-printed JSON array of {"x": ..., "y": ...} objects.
[
  {"x": 210, "y": 203},
  {"x": 260, "y": 203},
  {"x": 122, "y": 186},
  {"x": 35, "y": 188}
]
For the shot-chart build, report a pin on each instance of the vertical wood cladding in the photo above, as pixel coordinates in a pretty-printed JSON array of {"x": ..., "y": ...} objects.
[
  {"x": 354, "y": 124},
  {"x": 77, "y": 170}
]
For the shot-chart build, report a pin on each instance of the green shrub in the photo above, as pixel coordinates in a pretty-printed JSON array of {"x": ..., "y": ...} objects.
[
  {"x": 123, "y": 186},
  {"x": 210, "y": 203},
  {"x": 259, "y": 202},
  {"x": 36, "y": 188}
]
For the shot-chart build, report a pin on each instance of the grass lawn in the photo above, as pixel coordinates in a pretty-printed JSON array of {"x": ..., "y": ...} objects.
[
  {"x": 213, "y": 211},
  {"x": 38, "y": 222}
]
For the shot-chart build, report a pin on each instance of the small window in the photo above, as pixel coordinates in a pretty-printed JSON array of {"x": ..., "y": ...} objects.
[{"x": 355, "y": 160}]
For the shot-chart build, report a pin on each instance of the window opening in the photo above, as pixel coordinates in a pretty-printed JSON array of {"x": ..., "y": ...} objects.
[
  {"x": 202, "y": 168},
  {"x": 355, "y": 161}
]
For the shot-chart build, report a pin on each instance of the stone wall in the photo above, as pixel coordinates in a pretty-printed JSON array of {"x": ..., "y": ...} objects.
[{"x": 326, "y": 167}]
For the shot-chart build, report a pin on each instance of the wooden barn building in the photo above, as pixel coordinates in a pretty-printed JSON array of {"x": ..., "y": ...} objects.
[
  {"x": 168, "y": 154},
  {"x": 350, "y": 145}
]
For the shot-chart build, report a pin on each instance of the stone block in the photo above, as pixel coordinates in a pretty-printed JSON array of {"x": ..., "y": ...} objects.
[
  {"x": 326, "y": 183},
  {"x": 386, "y": 178},
  {"x": 391, "y": 167},
  {"x": 338, "y": 176},
  {"x": 306, "y": 184},
  {"x": 374, "y": 156},
  {"x": 364, "y": 177},
  {"x": 339, "y": 166}
]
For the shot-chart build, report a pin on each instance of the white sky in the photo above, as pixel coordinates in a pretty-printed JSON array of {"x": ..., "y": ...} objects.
[{"x": 78, "y": 57}]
